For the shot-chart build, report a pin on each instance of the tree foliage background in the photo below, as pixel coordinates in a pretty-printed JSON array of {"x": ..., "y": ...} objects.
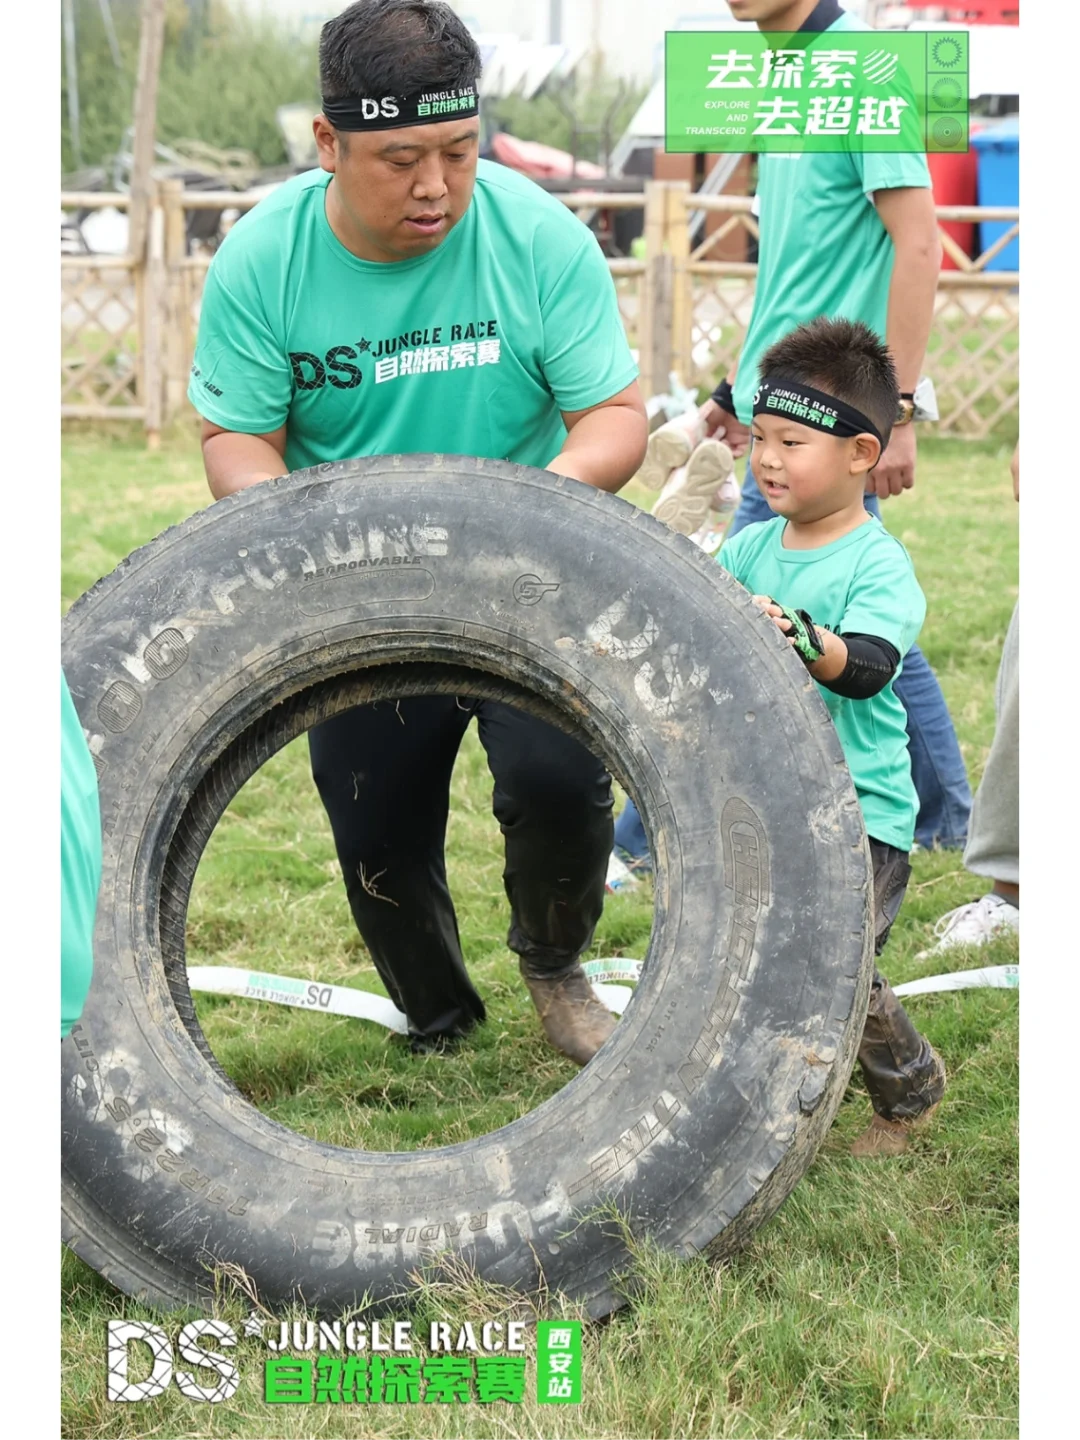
[{"x": 224, "y": 73}]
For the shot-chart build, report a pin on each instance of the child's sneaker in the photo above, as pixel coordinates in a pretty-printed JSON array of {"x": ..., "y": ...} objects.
[
  {"x": 669, "y": 447},
  {"x": 685, "y": 500},
  {"x": 974, "y": 924}
]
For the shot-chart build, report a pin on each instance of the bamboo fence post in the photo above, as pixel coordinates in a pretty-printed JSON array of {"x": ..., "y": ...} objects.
[
  {"x": 677, "y": 245},
  {"x": 151, "y": 39},
  {"x": 654, "y": 329},
  {"x": 177, "y": 316},
  {"x": 153, "y": 315}
]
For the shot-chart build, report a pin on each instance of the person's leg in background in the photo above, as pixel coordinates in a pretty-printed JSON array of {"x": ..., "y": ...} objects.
[
  {"x": 383, "y": 772},
  {"x": 993, "y": 847},
  {"x": 553, "y": 801},
  {"x": 937, "y": 766},
  {"x": 631, "y": 846}
]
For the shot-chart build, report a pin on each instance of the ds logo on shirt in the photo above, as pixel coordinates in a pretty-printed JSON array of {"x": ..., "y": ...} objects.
[{"x": 311, "y": 373}]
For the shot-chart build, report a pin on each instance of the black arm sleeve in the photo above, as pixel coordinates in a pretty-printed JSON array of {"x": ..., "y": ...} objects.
[{"x": 871, "y": 664}]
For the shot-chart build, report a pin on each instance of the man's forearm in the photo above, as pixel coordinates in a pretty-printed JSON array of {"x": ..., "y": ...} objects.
[
  {"x": 234, "y": 461},
  {"x": 911, "y": 310},
  {"x": 605, "y": 448}
]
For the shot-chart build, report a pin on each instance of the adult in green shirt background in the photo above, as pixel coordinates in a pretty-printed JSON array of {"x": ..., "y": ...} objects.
[
  {"x": 407, "y": 298},
  {"x": 852, "y": 235}
]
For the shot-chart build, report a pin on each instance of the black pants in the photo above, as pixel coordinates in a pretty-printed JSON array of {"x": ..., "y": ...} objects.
[
  {"x": 383, "y": 772},
  {"x": 903, "y": 1074}
]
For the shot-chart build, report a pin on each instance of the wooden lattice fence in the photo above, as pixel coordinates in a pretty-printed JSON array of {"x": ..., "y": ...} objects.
[{"x": 129, "y": 325}]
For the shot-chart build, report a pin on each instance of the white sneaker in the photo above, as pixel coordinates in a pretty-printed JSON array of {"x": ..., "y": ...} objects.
[
  {"x": 685, "y": 500},
  {"x": 974, "y": 924},
  {"x": 669, "y": 447}
]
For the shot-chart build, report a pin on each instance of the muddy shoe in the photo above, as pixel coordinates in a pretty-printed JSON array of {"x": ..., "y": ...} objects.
[
  {"x": 883, "y": 1138},
  {"x": 574, "y": 1020},
  {"x": 903, "y": 1072}
]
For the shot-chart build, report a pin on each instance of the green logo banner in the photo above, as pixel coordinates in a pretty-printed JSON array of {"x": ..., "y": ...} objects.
[
  {"x": 558, "y": 1362},
  {"x": 863, "y": 90}
]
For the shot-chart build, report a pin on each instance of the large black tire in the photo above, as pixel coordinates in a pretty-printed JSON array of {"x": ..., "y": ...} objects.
[{"x": 227, "y": 636}]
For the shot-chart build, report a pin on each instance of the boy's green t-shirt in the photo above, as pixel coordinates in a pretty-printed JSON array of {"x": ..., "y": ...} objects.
[
  {"x": 80, "y": 861},
  {"x": 823, "y": 249},
  {"x": 864, "y": 583},
  {"x": 471, "y": 349}
]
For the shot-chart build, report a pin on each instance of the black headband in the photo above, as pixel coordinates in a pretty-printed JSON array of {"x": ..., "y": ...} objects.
[
  {"x": 393, "y": 112},
  {"x": 807, "y": 406}
]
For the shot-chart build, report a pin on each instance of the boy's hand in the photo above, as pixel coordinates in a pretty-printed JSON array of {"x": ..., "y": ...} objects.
[
  {"x": 825, "y": 663},
  {"x": 773, "y": 610}
]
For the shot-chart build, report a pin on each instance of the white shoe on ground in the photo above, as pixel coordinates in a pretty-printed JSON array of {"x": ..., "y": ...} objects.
[
  {"x": 669, "y": 447},
  {"x": 976, "y": 923},
  {"x": 685, "y": 500}
]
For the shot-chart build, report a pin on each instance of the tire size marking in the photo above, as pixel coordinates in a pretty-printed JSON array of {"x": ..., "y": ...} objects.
[
  {"x": 151, "y": 1141},
  {"x": 746, "y": 874}
]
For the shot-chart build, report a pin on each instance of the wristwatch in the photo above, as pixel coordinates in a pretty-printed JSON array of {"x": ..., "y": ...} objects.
[{"x": 905, "y": 411}]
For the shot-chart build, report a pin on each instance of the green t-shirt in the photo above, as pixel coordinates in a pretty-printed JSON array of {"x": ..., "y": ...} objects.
[
  {"x": 822, "y": 248},
  {"x": 80, "y": 861},
  {"x": 471, "y": 349},
  {"x": 864, "y": 583}
]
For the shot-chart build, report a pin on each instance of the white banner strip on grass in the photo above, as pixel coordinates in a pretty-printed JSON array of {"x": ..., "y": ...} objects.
[
  {"x": 307, "y": 994},
  {"x": 341, "y": 999},
  {"x": 997, "y": 977},
  {"x": 619, "y": 968}
]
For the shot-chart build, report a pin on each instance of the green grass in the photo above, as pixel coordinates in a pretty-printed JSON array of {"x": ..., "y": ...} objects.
[{"x": 880, "y": 1301}]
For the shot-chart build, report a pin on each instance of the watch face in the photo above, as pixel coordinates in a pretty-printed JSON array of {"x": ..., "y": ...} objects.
[{"x": 904, "y": 411}]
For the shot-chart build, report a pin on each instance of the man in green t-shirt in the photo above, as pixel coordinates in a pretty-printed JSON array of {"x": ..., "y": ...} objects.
[
  {"x": 406, "y": 298},
  {"x": 843, "y": 591}
]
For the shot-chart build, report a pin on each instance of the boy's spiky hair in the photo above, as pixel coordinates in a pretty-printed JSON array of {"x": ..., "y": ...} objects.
[{"x": 844, "y": 358}]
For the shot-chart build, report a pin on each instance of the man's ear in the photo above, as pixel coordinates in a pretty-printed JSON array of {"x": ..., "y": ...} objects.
[
  {"x": 867, "y": 453},
  {"x": 329, "y": 143}
]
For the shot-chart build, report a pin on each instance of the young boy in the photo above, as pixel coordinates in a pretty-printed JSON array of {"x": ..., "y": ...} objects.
[{"x": 843, "y": 592}]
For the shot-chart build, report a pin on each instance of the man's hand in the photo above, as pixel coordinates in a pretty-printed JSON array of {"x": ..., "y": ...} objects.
[
  {"x": 895, "y": 471},
  {"x": 721, "y": 425}
]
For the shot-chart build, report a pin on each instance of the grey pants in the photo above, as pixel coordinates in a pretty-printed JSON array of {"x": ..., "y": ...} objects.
[{"x": 993, "y": 847}]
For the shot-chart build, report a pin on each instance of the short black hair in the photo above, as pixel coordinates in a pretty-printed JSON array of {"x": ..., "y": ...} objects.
[
  {"x": 844, "y": 358},
  {"x": 396, "y": 47}
]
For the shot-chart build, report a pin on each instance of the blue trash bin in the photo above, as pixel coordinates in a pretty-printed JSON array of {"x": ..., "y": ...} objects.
[{"x": 998, "y": 147}]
